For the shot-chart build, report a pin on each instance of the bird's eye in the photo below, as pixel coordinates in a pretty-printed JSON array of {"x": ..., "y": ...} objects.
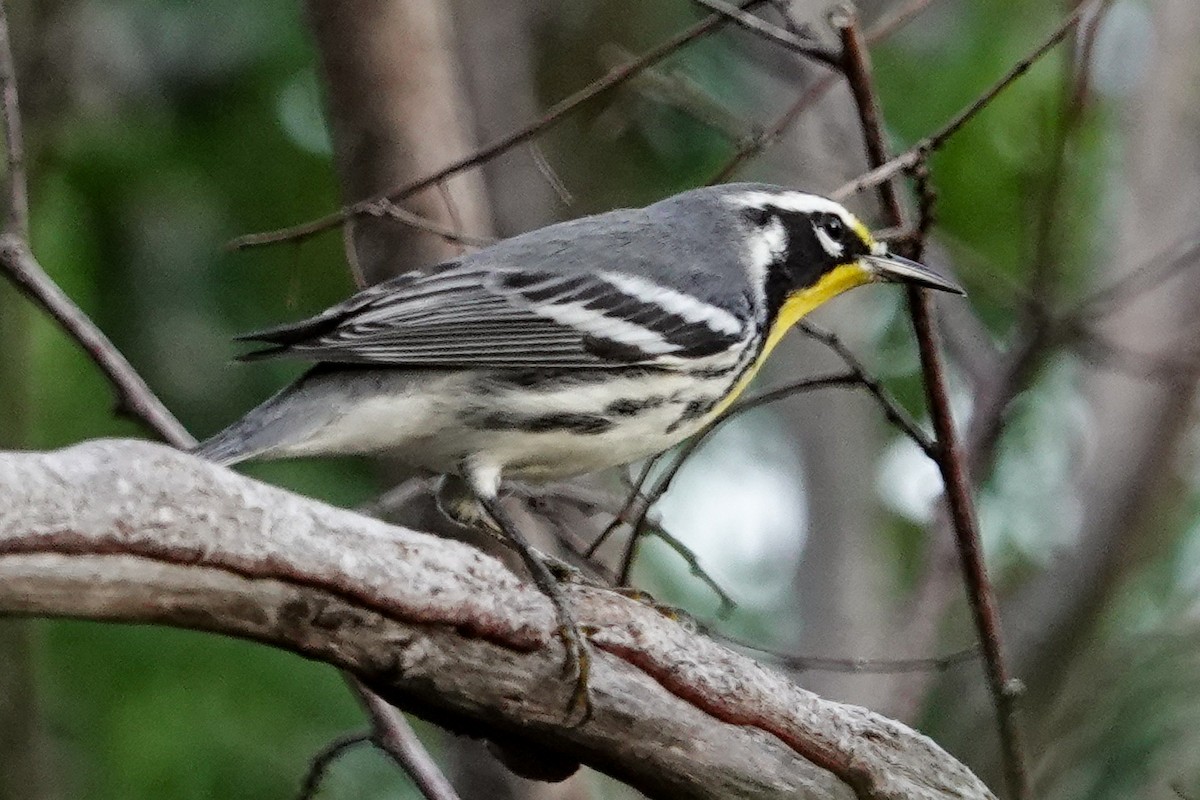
[{"x": 835, "y": 228}]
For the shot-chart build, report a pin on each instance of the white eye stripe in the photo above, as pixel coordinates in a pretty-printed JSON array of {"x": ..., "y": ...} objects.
[
  {"x": 799, "y": 202},
  {"x": 833, "y": 247}
]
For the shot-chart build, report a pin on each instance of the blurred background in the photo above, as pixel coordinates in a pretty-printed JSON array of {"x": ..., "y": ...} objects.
[{"x": 159, "y": 129}]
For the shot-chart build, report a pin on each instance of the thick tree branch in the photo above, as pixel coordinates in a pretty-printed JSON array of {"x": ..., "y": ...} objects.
[{"x": 136, "y": 532}]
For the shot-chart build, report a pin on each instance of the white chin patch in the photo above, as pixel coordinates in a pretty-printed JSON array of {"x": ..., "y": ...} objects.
[{"x": 833, "y": 248}]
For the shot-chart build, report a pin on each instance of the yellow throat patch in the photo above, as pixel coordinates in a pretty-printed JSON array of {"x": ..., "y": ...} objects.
[{"x": 799, "y": 303}]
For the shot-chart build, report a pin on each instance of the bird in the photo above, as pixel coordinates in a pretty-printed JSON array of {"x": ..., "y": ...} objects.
[{"x": 583, "y": 345}]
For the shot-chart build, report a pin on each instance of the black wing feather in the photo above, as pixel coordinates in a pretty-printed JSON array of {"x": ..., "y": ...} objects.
[{"x": 461, "y": 316}]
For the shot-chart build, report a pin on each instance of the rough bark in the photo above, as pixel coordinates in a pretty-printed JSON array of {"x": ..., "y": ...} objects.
[{"x": 136, "y": 532}]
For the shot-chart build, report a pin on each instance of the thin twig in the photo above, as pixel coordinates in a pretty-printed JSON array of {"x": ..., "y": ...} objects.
[
  {"x": 757, "y": 144},
  {"x": 895, "y": 413},
  {"x": 456, "y": 223},
  {"x": 887, "y": 169},
  {"x": 629, "y": 510},
  {"x": 790, "y": 23},
  {"x": 1146, "y": 276},
  {"x": 1042, "y": 287},
  {"x": 772, "y": 33},
  {"x": 809, "y": 97},
  {"x": 875, "y": 666},
  {"x": 318, "y": 768},
  {"x": 548, "y": 173},
  {"x": 386, "y": 209},
  {"x": 640, "y": 527},
  {"x": 613, "y": 78},
  {"x": 690, "y": 558},
  {"x": 22, "y": 268},
  {"x": 926, "y": 203},
  {"x": 637, "y": 507},
  {"x": 1179, "y": 371},
  {"x": 134, "y": 397},
  {"x": 950, "y": 459},
  {"x": 394, "y": 736}
]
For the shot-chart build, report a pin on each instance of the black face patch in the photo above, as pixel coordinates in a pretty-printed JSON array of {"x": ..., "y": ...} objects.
[{"x": 806, "y": 259}]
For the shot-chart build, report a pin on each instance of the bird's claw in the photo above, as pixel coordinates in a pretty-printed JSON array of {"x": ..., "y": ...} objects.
[{"x": 578, "y": 662}]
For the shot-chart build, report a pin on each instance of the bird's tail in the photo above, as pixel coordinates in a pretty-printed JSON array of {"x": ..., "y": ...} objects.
[
  {"x": 231, "y": 446},
  {"x": 271, "y": 430}
]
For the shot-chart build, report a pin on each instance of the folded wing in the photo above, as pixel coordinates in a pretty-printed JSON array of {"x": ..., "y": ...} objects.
[{"x": 465, "y": 315}]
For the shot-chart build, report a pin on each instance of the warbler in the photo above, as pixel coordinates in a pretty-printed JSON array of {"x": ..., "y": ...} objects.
[{"x": 579, "y": 346}]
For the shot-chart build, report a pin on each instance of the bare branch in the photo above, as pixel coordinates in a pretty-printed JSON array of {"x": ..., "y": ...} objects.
[
  {"x": 637, "y": 507},
  {"x": 809, "y": 97},
  {"x": 890, "y": 168},
  {"x": 134, "y": 396},
  {"x": 639, "y": 524},
  {"x": 950, "y": 459},
  {"x": 613, "y": 78},
  {"x": 324, "y": 759},
  {"x": 892, "y": 410},
  {"x": 1141, "y": 279},
  {"x": 772, "y": 33},
  {"x": 871, "y": 666},
  {"x": 548, "y": 173},
  {"x": 394, "y": 736},
  {"x": 123, "y": 530},
  {"x": 386, "y": 209},
  {"x": 1043, "y": 286}
]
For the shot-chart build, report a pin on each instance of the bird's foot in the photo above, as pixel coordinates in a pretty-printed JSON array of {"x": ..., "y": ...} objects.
[{"x": 578, "y": 660}]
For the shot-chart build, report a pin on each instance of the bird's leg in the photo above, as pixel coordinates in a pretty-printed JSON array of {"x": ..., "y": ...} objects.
[
  {"x": 578, "y": 660},
  {"x": 460, "y": 503}
]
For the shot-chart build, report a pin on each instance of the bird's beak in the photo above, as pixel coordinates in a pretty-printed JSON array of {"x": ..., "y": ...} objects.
[{"x": 897, "y": 269}]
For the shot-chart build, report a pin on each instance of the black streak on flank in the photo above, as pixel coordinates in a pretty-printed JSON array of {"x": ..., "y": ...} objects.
[
  {"x": 695, "y": 409},
  {"x": 629, "y": 407},
  {"x": 549, "y": 379},
  {"x": 584, "y": 424}
]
